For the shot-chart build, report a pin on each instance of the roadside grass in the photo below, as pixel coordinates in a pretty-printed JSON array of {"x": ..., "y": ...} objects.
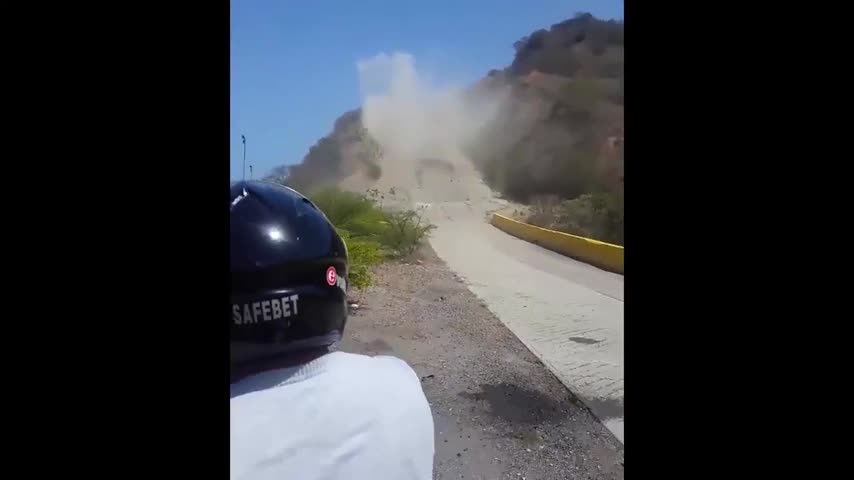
[{"x": 372, "y": 234}]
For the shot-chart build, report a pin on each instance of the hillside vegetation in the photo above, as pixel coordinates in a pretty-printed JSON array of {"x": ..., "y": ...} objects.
[
  {"x": 556, "y": 142},
  {"x": 370, "y": 232}
]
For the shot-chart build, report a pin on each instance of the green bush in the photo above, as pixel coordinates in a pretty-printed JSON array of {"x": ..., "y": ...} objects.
[
  {"x": 371, "y": 234},
  {"x": 353, "y": 212},
  {"x": 363, "y": 254},
  {"x": 593, "y": 215},
  {"x": 406, "y": 231}
]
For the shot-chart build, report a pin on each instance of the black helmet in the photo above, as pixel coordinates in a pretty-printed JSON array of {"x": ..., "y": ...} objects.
[{"x": 288, "y": 274}]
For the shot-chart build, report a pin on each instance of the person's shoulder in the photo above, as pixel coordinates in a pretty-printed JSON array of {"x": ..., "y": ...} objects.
[
  {"x": 388, "y": 362},
  {"x": 380, "y": 363},
  {"x": 384, "y": 395},
  {"x": 380, "y": 373},
  {"x": 382, "y": 383}
]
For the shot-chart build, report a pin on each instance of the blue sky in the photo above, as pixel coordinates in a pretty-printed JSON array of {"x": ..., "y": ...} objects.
[{"x": 293, "y": 63}]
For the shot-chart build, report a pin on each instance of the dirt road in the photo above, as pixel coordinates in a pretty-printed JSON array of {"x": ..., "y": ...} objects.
[
  {"x": 498, "y": 411},
  {"x": 569, "y": 314}
]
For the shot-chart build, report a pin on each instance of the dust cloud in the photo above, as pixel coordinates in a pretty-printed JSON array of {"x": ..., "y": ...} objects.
[{"x": 416, "y": 122}]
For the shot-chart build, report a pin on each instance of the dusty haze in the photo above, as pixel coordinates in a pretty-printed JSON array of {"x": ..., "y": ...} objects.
[{"x": 422, "y": 129}]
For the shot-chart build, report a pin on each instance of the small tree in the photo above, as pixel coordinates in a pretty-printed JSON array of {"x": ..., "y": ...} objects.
[{"x": 406, "y": 231}]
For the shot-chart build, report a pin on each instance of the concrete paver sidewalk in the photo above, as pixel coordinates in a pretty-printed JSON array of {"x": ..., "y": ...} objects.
[{"x": 568, "y": 313}]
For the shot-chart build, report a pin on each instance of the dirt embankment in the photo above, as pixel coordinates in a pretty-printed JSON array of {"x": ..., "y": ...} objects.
[{"x": 499, "y": 413}]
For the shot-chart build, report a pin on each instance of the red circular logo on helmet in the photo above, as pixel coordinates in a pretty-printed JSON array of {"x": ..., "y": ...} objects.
[{"x": 331, "y": 276}]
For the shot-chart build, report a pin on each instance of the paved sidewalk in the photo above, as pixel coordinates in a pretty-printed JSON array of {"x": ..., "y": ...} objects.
[{"x": 568, "y": 313}]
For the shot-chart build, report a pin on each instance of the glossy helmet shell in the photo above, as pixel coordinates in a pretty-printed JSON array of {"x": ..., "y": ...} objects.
[{"x": 288, "y": 273}]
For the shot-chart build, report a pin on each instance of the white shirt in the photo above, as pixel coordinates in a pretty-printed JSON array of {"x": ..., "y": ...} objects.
[{"x": 341, "y": 416}]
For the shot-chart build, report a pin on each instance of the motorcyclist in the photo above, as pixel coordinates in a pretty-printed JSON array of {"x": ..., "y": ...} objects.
[{"x": 298, "y": 409}]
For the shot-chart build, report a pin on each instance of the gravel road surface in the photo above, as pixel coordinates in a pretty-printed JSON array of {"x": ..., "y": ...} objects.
[{"x": 498, "y": 411}]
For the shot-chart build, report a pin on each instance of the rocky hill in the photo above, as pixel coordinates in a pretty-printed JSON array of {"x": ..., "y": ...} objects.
[{"x": 555, "y": 140}]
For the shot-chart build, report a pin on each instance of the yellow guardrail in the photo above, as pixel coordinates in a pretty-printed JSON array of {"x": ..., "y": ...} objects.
[{"x": 594, "y": 252}]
